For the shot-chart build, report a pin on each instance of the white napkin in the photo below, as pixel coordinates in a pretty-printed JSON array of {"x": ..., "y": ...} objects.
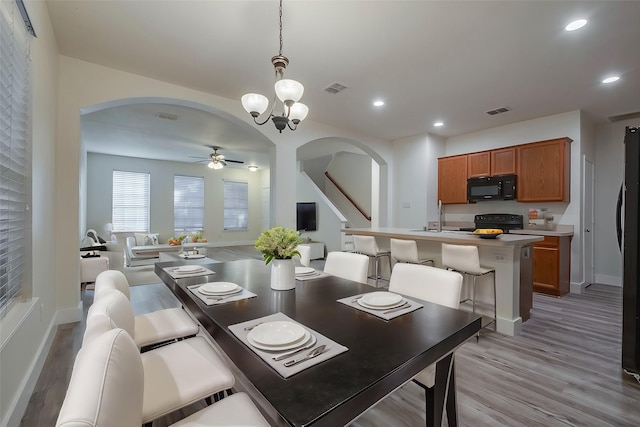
[
  {"x": 351, "y": 302},
  {"x": 333, "y": 348},
  {"x": 176, "y": 274},
  {"x": 211, "y": 299}
]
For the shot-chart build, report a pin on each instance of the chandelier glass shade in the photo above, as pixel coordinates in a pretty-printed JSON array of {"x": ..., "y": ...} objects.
[{"x": 288, "y": 91}]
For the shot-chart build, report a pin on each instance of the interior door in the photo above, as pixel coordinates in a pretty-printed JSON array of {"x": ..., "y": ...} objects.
[{"x": 587, "y": 222}]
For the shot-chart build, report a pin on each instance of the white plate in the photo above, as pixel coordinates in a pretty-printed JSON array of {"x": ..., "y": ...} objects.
[
  {"x": 373, "y": 307},
  {"x": 304, "y": 270},
  {"x": 189, "y": 269},
  {"x": 380, "y": 299},
  {"x": 299, "y": 343},
  {"x": 218, "y": 288},
  {"x": 276, "y": 334}
]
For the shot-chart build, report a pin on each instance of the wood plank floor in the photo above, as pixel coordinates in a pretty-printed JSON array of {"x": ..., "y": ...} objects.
[{"x": 564, "y": 370}]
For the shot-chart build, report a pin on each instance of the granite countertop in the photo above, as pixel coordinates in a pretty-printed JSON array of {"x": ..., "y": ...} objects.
[{"x": 559, "y": 230}]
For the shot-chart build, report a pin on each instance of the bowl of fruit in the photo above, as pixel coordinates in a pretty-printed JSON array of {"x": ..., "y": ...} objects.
[{"x": 487, "y": 233}]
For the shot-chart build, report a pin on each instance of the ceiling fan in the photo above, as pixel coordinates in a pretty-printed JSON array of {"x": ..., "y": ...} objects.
[{"x": 216, "y": 160}]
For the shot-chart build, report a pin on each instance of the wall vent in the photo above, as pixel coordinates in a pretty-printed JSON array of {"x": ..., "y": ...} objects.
[
  {"x": 628, "y": 116},
  {"x": 498, "y": 111},
  {"x": 335, "y": 88},
  {"x": 167, "y": 116}
]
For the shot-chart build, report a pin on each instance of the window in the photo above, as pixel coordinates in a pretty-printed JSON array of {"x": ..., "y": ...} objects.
[
  {"x": 236, "y": 205},
  {"x": 130, "y": 201},
  {"x": 188, "y": 204},
  {"x": 15, "y": 153}
]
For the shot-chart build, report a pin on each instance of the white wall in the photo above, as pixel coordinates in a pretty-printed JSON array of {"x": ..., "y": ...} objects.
[
  {"x": 100, "y": 188},
  {"x": 609, "y": 174},
  {"x": 28, "y": 329}
]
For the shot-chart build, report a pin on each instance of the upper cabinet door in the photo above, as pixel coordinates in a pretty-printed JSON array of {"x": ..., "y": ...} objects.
[
  {"x": 544, "y": 170},
  {"x": 503, "y": 161},
  {"x": 478, "y": 164},
  {"x": 452, "y": 179}
]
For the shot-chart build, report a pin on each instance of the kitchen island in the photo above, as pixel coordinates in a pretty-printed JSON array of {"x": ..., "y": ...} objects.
[{"x": 509, "y": 254}]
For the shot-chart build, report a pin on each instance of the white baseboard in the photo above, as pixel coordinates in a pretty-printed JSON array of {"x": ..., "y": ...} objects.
[
  {"x": 577, "y": 288},
  {"x": 68, "y": 315},
  {"x": 608, "y": 280}
]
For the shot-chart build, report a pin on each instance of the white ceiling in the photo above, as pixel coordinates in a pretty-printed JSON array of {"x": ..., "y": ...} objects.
[{"x": 428, "y": 60}]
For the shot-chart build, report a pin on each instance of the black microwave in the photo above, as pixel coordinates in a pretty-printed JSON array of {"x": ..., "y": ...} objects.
[{"x": 491, "y": 188}]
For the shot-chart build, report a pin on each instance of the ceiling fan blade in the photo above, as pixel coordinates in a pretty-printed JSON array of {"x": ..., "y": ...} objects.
[
  {"x": 198, "y": 157},
  {"x": 234, "y": 161},
  {"x": 223, "y": 162}
]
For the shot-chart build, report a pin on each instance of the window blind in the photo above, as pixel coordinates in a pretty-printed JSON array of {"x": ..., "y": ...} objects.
[
  {"x": 188, "y": 204},
  {"x": 130, "y": 201},
  {"x": 15, "y": 152},
  {"x": 236, "y": 205}
]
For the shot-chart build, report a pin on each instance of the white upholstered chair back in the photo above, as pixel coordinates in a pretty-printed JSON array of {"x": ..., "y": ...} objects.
[
  {"x": 347, "y": 265},
  {"x": 431, "y": 284},
  {"x": 112, "y": 279},
  {"x": 461, "y": 258},
  {"x": 366, "y": 245},
  {"x": 116, "y": 307},
  {"x": 305, "y": 255},
  {"x": 107, "y": 384},
  {"x": 404, "y": 251}
]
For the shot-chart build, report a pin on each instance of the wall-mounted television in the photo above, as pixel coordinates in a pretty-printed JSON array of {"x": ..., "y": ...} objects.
[{"x": 306, "y": 216}]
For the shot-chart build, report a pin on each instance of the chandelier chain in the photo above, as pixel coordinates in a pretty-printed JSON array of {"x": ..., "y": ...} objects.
[{"x": 280, "y": 27}]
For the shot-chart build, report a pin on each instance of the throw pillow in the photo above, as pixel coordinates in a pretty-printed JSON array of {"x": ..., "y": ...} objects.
[{"x": 146, "y": 239}]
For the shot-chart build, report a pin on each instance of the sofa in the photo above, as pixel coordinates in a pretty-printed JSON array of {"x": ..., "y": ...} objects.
[{"x": 136, "y": 254}]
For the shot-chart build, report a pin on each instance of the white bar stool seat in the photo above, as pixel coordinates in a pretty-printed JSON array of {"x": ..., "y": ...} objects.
[{"x": 406, "y": 251}]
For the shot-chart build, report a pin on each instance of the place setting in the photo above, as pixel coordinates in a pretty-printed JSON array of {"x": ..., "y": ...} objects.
[
  {"x": 183, "y": 271},
  {"x": 214, "y": 293},
  {"x": 382, "y": 304},
  {"x": 285, "y": 345},
  {"x": 307, "y": 273}
]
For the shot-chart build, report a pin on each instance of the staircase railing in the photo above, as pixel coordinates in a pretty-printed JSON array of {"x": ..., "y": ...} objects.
[{"x": 341, "y": 190}]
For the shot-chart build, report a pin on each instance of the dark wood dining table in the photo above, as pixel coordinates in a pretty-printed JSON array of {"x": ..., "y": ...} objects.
[{"x": 382, "y": 356}]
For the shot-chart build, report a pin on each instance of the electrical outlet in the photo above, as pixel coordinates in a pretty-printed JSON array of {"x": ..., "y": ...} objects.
[{"x": 500, "y": 257}]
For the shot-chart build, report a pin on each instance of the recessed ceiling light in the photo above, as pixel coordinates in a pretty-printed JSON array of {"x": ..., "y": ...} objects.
[
  {"x": 438, "y": 124},
  {"x": 579, "y": 23},
  {"x": 611, "y": 79},
  {"x": 253, "y": 168},
  {"x": 378, "y": 103}
]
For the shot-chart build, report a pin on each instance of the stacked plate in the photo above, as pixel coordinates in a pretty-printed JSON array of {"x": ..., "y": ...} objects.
[
  {"x": 219, "y": 288},
  {"x": 278, "y": 336},
  {"x": 305, "y": 271},
  {"x": 381, "y": 300},
  {"x": 188, "y": 269}
]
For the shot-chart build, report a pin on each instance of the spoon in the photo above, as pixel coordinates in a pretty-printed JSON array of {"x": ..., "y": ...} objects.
[
  {"x": 313, "y": 353},
  {"x": 310, "y": 344}
]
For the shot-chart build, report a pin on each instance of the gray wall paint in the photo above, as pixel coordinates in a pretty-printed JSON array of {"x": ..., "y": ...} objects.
[{"x": 99, "y": 191}]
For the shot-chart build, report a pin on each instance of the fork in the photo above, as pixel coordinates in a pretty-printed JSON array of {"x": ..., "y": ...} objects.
[{"x": 223, "y": 297}]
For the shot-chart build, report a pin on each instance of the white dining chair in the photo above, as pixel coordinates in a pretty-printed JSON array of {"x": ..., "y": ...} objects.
[
  {"x": 305, "y": 255},
  {"x": 107, "y": 389},
  {"x": 175, "y": 375},
  {"x": 367, "y": 245},
  {"x": 465, "y": 259},
  {"x": 347, "y": 265},
  {"x": 403, "y": 250},
  {"x": 438, "y": 286},
  {"x": 153, "y": 328}
]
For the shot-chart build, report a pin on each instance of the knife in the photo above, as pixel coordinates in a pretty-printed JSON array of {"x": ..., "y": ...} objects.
[
  {"x": 311, "y": 343},
  {"x": 402, "y": 307},
  {"x": 313, "y": 353}
]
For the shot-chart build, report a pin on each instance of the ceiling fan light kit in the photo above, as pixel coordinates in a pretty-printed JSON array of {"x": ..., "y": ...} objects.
[{"x": 288, "y": 91}]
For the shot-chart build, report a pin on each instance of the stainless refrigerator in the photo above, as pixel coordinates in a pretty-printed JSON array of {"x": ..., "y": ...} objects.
[{"x": 628, "y": 229}]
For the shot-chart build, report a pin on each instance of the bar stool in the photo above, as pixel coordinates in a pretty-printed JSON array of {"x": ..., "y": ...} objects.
[
  {"x": 465, "y": 259},
  {"x": 368, "y": 246},
  {"x": 406, "y": 251}
]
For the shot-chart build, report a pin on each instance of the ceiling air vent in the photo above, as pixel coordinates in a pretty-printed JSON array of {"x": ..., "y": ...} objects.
[
  {"x": 167, "y": 116},
  {"x": 335, "y": 88},
  {"x": 628, "y": 116},
  {"x": 498, "y": 111}
]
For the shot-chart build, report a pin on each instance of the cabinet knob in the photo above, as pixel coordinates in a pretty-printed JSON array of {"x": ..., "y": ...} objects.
[{"x": 587, "y": 230}]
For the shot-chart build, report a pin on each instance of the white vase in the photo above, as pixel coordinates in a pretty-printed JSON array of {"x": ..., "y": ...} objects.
[{"x": 283, "y": 274}]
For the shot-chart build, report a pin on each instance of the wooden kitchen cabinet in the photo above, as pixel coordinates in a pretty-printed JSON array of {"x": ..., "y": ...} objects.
[
  {"x": 452, "y": 179},
  {"x": 478, "y": 164},
  {"x": 503, "y": 161},
  {"x": 544, "y": 170},
  {"x": 552, "y": 265}
]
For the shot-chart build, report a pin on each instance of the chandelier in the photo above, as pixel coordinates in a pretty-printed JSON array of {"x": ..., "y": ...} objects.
[{"x": 287, "y": 91}]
